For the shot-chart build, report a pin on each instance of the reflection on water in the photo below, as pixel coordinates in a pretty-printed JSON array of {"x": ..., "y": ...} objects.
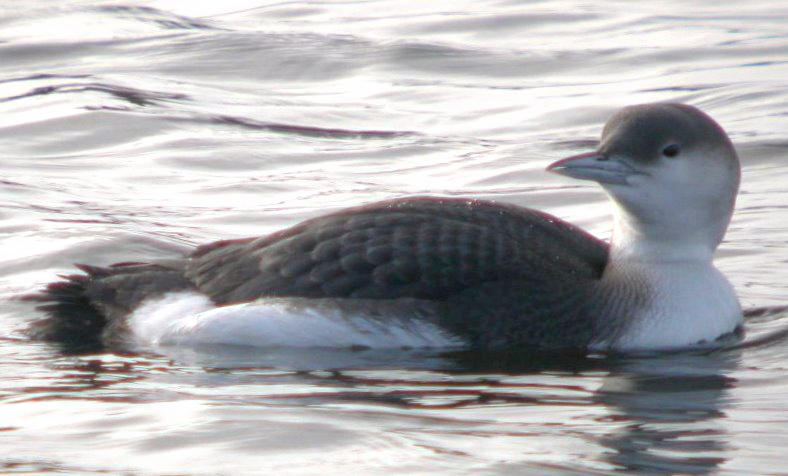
[
  {"x": 663, "y": 413},
  {"x": 135, "y": 132},
  {"x": 670, "y": 410}
]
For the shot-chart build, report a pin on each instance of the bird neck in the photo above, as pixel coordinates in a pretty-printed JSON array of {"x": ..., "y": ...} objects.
[
  {"x": 636, "y": 240},
  {"x": 674, "y": 296}
]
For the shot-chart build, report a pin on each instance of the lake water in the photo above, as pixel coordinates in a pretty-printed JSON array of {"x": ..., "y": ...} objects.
[{"x": 131, "y": 131}]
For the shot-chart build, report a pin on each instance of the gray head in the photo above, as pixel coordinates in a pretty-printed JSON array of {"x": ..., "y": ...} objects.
[{"x": 673, "y": 174}]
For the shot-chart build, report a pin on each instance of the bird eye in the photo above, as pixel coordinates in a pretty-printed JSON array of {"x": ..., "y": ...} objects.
[{"x": 671, "y": 151}]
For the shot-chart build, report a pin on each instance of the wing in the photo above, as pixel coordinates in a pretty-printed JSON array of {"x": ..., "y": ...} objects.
[{"x": 425, "y": 248}]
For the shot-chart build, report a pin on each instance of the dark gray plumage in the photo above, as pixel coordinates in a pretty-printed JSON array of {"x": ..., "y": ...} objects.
[{"x": 471, "y": 259}]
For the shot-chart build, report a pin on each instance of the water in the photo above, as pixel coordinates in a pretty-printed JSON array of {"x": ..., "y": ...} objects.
[{"x": 131, "y": 131}]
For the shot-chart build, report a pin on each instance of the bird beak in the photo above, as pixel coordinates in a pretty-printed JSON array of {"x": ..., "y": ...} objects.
[{"x": 594, "y": 166}]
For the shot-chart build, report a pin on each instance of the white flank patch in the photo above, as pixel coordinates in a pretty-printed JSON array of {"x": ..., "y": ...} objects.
[{"x": 191, "y": 319}]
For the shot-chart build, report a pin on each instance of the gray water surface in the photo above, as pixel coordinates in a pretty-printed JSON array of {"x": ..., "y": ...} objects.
[{"x": 130, "y": 131}]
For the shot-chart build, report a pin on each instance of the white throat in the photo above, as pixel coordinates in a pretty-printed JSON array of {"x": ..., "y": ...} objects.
[{"x": 634, "y": 241}]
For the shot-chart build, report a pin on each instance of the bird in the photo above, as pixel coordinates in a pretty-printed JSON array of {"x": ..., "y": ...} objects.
[{"x": 455, "y": 272}]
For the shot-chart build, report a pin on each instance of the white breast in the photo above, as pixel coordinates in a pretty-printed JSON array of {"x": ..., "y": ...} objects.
[{"x": 689, "y": 304}]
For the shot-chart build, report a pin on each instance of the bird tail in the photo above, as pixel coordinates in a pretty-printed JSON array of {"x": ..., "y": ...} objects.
[
  {"x": 81, "y": 309},
  {"x": 71, "y": 318}
]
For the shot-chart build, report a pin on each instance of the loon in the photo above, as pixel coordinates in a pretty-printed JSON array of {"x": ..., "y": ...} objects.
[{"x": 471, "y": 273}]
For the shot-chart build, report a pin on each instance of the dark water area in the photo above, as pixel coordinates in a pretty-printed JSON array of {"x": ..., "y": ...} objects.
[{"x": 137, "y": 130}]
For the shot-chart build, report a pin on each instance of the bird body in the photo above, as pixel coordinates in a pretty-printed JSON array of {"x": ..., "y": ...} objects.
[{"x": 429, "y": 271}]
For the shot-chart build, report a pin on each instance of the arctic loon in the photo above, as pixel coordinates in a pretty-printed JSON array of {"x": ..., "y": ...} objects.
[{"x": 479, "y": 273}]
